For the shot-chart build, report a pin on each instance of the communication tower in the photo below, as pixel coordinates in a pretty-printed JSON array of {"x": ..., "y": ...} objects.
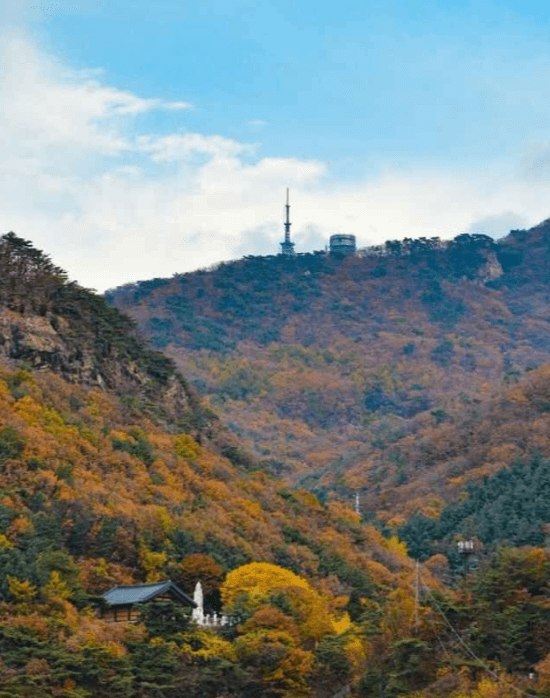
[{"x": 287, "y": 247}]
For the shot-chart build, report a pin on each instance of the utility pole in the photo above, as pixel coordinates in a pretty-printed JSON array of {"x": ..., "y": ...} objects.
[{"x": 416, "y": 596}]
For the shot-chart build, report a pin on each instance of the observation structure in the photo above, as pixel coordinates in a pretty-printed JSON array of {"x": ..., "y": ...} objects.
[
  {"x": 466, "y": 550},
  {"x": 287, "y": 247},
  {"x": 465, "y": 547},
  {"x": 342, "y": 245}
]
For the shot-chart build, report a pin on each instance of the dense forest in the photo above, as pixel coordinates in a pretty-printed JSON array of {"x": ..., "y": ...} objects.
[
  {"x": 114, "y": 470},
  {"x": 349, "y": 375},
  {"x": 513, "y": 506}
]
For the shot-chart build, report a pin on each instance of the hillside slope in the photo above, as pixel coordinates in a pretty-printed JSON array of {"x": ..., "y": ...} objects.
[
  {"x": 93, "y": 419},
  {"x": 112, "y": 472},
  {"x": 335, "y": 372}
]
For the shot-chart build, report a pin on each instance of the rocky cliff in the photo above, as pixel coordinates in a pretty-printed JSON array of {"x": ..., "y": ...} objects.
[{"x": 55, "y": 324}]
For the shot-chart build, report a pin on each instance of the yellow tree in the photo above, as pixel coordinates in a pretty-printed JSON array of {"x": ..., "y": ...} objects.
[
  {"x": 268, "y": 648},
  {"x": 21, "y": 589},
  {"x": 258, "y": 583}
]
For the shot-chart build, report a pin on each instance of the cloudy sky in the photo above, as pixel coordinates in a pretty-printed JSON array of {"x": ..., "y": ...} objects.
[{"x": 141, "y": 138}]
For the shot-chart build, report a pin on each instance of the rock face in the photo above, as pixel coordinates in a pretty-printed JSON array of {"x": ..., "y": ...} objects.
[
  {"x": 30, "y": 339},
  {"x": 53, "y": 342},
  {"x": 491, "y": 270},
  {"x": 49, "y": 322},
  {"x": 50, "y": 342}
]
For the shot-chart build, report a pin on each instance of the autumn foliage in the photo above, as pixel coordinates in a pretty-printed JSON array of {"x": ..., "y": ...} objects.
[
  {"x": 113, "y": 472},
  {"x": 372, "y": 374}
]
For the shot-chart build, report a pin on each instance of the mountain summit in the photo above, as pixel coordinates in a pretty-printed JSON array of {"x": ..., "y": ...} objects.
[{"x": 333, "y": 371}]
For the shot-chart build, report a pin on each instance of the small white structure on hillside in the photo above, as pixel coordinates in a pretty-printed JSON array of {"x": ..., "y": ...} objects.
[
  {"x": 198, "y": 611},
  {"x": 198, "y": 616}
]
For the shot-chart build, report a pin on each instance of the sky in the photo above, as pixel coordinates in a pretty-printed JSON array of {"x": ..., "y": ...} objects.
[{"x": 142, "y": 139}]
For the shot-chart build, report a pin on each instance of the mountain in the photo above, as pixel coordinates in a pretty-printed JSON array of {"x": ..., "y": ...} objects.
[
  {"x": 343, "y": 374},
  {"x": 114, "y": 471},
  {"x": 80, "y": 385}
]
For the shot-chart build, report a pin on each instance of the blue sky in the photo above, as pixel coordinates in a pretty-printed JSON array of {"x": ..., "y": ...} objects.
[
  {"x": 147, "y": 138},
  {"x": 349, "y": 82}
]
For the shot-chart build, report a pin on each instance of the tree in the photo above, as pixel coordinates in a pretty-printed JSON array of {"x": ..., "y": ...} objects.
[
  {"x": 509, "y": 617},
  {"x": 199, "y": 567}
]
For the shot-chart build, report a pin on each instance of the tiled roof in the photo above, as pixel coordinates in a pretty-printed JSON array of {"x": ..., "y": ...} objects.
[{"x": 123, "y": 595}]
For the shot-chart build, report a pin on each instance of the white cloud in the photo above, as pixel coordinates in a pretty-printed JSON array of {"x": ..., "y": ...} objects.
[
  {"x": 111, "y": 207},
  {"x": 175, "y": 106},
  {"x": 44, "y": 104},
  {"x": 45, "y": 112},
  {"x": 181, "y": 147},
  {"x": 498, "y": 225}
]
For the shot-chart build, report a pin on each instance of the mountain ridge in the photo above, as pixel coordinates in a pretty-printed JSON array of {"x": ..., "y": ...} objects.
[
  {"x": 102, "y": 483},
  {"x": 317, "y": 362}
]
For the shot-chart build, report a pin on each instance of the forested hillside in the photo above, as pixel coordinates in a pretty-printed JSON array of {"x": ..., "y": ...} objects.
[
  {"x": 352, "y": 375},
  {"x": 90, "y": 499},
  {"x": 112, "y": 471}
]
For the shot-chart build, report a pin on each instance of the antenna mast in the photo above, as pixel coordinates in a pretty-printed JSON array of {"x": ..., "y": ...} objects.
[
  {"x": 287, "y": 223},
  {"x": 287, "y": 247}
]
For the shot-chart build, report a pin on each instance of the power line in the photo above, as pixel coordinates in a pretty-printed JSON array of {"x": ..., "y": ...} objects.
[{"x": 465, "y": 646}]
